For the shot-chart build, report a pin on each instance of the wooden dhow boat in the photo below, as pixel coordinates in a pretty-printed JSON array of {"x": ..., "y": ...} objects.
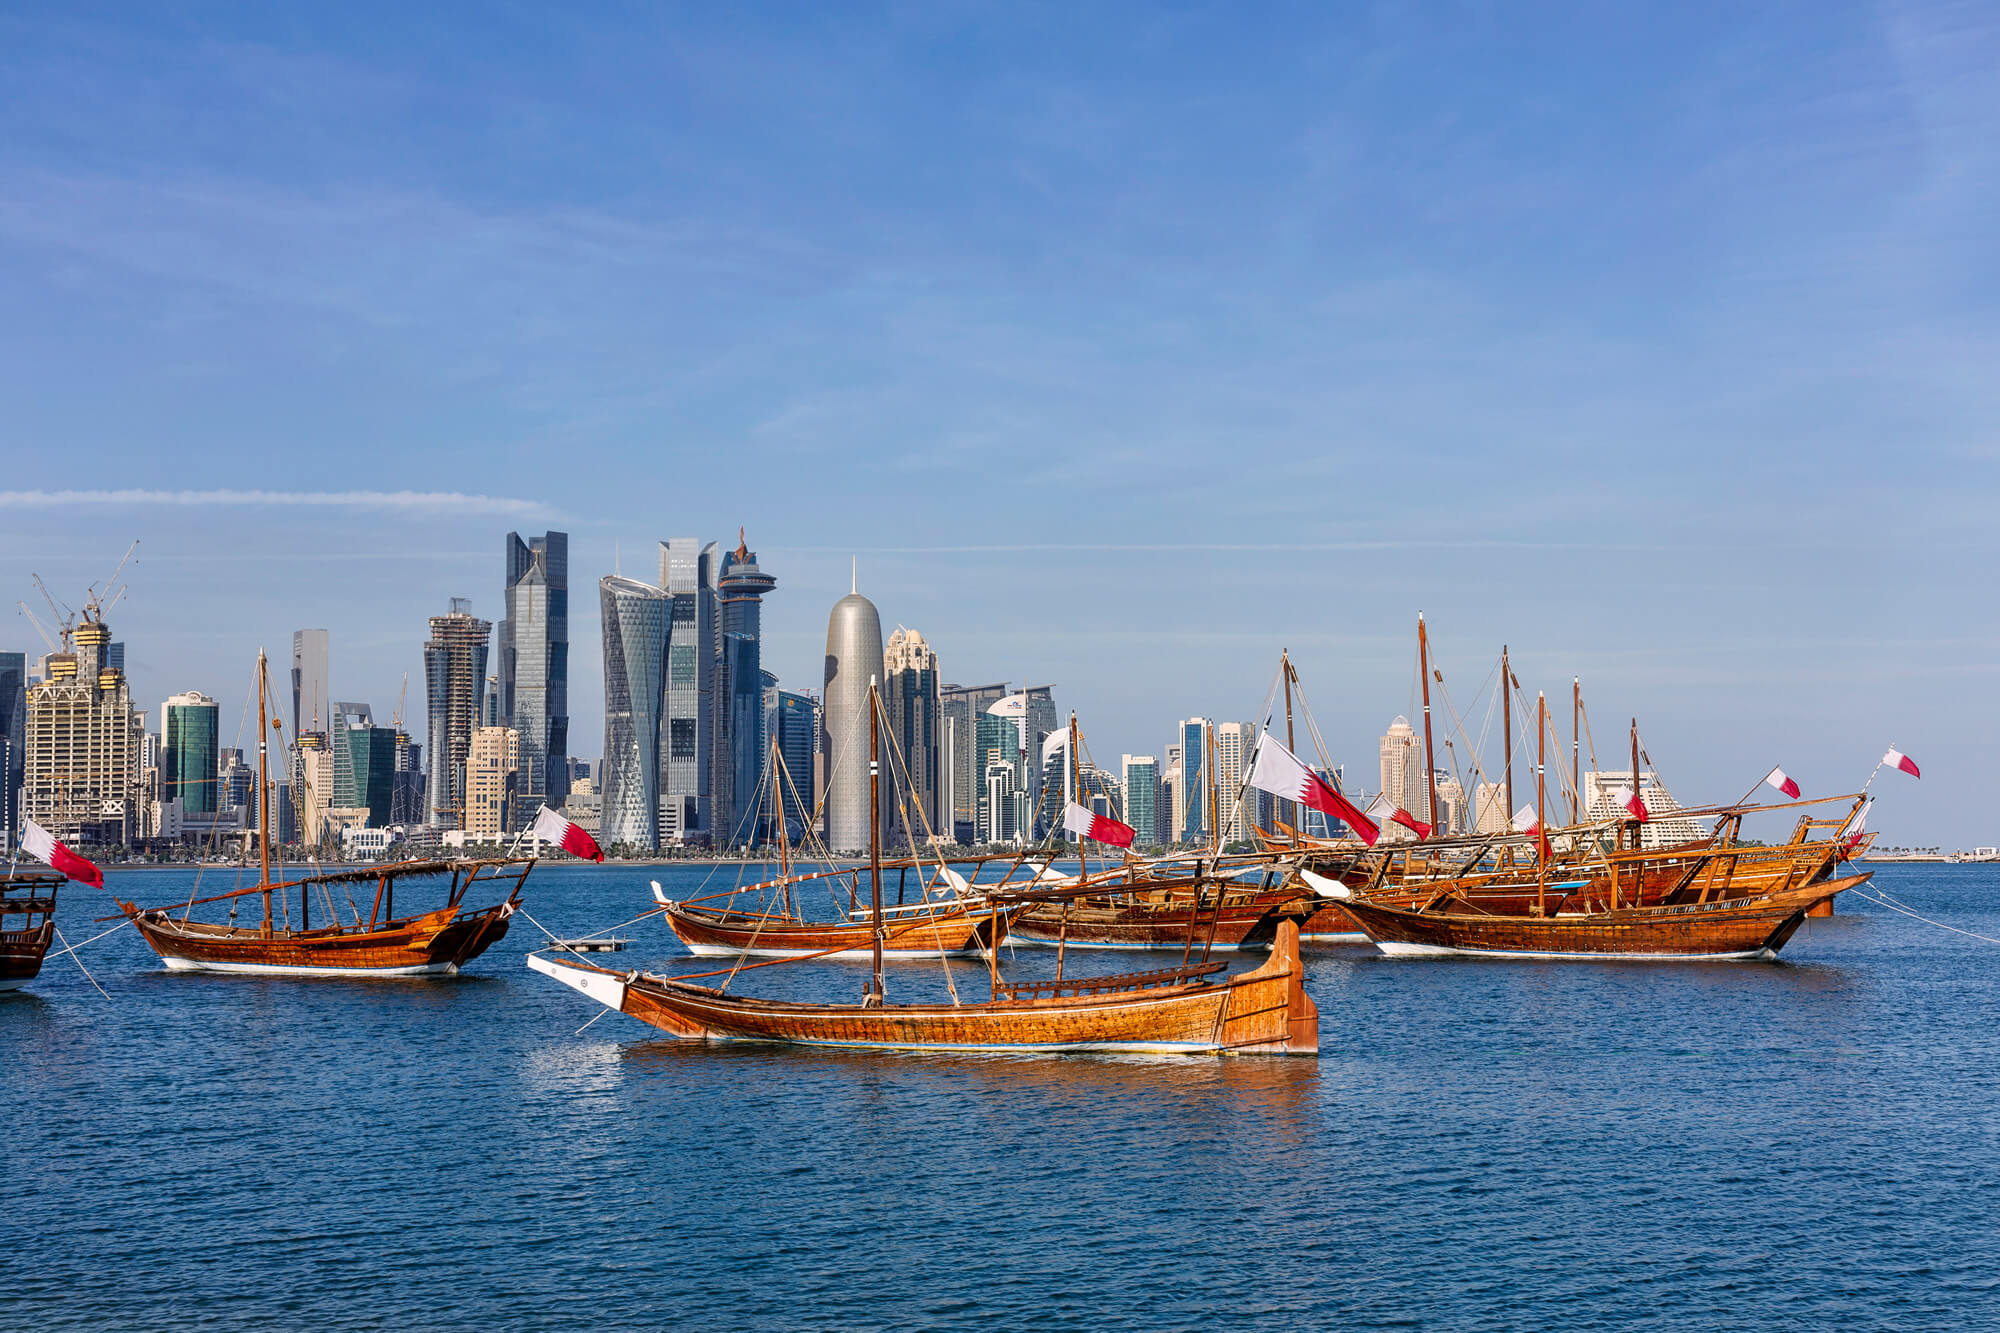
[
  {"x": 1183, "y": 1009},
  {"x": 438, "y": 941},
  {"x": 27, "y": 923}
]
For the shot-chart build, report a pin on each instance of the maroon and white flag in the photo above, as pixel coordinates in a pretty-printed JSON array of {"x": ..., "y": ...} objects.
[
  {"x": 1088, "y": 824},
  {"x": 1382, "y": 808},
  {"x": 1783, "y": 782},
  {"x": 1897, "y": 759},
  {"x": 41, "y": 844},
  {"x": 1526, "y": 820},
  {"x": 1277, "y": 770},
  {"x": 1635, "y": 804},
  {"x": 1860, "y": 830},
  {"x": 552, "y": 827}
]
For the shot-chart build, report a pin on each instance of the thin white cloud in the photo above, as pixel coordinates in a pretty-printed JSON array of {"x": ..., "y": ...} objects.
[{"x": 457, "y": 501}]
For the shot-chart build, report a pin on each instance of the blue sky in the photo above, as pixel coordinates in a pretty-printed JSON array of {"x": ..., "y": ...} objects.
[{"x": 1123, "y": 345}]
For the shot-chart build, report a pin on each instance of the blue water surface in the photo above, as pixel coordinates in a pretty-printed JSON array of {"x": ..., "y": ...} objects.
[{"x": 1481, "y": 1144}]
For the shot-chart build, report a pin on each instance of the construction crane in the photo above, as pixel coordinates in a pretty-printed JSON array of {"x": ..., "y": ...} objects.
[
  {"x": 403, "y": 695},
  {"x": 40, "y": 628},
  {"x": 65, "y": 619},
  {"x": 99, "y": 603}
]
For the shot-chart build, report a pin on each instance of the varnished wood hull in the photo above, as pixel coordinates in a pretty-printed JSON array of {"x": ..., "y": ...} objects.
[
  {"x": 1250, "y": 923},
  {"x": 1738, "y": 928},
  {"x": 1265, "y": 1012},
  {"x": 21, "y": 954},
  {"x": 428, "y": 945},
  {"x": 719, "y": 934}
]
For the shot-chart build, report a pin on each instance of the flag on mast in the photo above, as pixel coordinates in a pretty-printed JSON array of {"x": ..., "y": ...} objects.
[
  {"x": 41, "y": 844},
  {"x": 1089, "y": 824},
  {"x": 552, "y": 827},
  {"x": 1635, "y": 805},
  {"x": 1897, "y": 759},
  {"x": 1783, "y": 782},
  {"x": 1275, "y": 769},
  {"x": 1383, "y": 809}
]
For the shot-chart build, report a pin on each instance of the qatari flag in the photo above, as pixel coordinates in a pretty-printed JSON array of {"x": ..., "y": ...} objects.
[
  {"x": 552, "y": 827},
  {"x": 1277, "y": 770},
  {"x": 41, "y": 844},
  {"x": 1897, "y": 759},
  {"x": 1087, "y": 824},
  {"x": 1635, "y": 805},
  {"x": 1783, "y": 782}
]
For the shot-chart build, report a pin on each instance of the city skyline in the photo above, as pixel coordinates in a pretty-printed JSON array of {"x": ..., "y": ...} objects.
[{"x": 1270, "y": 333}]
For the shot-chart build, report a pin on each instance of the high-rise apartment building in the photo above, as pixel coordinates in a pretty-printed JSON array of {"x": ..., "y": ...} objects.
[
  {"x": 910, "y": 692},
  {"x": 13, "y": 735},
  {"x": 1006, "y": 808},
  {"x": 1402, "y": 767},
  {"x": 364, "y": 763},
  {"x": 637, "y": 620},
  {"x": 1141, "y": 776},
  {"x": 689, "y": 767},
  {"x": 797, "y": 728},
  {"x": 188, "y": 753},
  {"x": 80, "y": 773},
  {"x": 455, "y": 679},
  {"x": 1191, "y": 791},
  {"x": 311, "y": 697},
  {"x": 1237, "y": 804},
  {"x": 1664, "y": 827},
  {"x": 492, "y": 775},
  {"x": 853, "y": 661},
  {"x": 962, "y": 774},
  {"x": 532, "y": 652},
  {"x": 740, "y": 591}
]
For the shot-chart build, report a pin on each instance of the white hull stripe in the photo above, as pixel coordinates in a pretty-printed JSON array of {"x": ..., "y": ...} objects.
[
  {"x": 291, "y": 970},
  {"x": 726, "y": 951},
  {"x": 1049, "y": 942},
  {"x": 1398, "y": 949}
]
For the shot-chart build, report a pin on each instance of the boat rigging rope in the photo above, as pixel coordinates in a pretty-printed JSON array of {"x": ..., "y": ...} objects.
[
  {"x": 79, "y": 962},
  {"x": 1895, "y": 906},
  {"x": 72, "y": 948}
]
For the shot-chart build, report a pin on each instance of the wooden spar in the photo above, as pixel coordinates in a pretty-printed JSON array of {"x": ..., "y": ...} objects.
[
  {"x": 1214, "y": 816},
  {"x": 1285, "y": 667},
  {"x": 875, "y": 991},
  {"x": 1430, "y": 757},
  {"x": 1507, "y": 735},
  {"x": 263, "y": 795},
  {"x": 1541, "y": 796},
  {"x": 1575, "y": 750},
  {"x": 1076, "y": 789}
]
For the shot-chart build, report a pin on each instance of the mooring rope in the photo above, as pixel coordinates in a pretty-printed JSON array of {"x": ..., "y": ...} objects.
[
  {"x": 72, "y": 948},
  {"x": 1897, "y": 907},
  {"x": 79, "y": 962}
]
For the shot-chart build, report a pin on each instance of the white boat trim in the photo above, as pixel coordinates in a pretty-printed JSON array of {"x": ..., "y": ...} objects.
[
  {"x": 1401, "y": 949},
  {"x": 297, "y": 970}
]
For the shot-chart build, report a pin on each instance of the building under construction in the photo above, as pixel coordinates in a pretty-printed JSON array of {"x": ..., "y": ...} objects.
[
  {"x": 81, "y": 761},
  {"x": 454, "y": 674}
]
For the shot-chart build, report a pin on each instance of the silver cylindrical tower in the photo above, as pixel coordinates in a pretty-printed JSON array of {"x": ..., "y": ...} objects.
[{"x": 853, "y": 657}]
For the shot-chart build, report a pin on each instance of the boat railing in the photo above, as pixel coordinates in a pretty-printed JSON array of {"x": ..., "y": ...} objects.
[{"x": 1128, "y": 981}]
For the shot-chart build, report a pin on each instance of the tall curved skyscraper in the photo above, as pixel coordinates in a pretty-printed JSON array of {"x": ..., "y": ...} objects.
[
  {"x": 636, "y": 617},
  {"x": 853, "y": 658}
]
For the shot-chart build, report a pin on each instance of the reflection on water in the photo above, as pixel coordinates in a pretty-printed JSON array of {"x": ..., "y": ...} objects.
[{"x": 1480, "y": 1144}]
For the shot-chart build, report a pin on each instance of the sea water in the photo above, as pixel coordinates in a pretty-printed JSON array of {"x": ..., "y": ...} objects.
[{"x": 1480, "y": 1144}]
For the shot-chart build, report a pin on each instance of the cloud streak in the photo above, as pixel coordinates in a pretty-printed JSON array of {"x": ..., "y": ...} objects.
[{"x": 391, "y": 501}]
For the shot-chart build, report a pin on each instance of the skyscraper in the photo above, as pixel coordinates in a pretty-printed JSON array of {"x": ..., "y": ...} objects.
[
  {"x": 1238, "y": 806},
  {"x": 492, "y": 772},
  {"x": 311, "y": 696},
  {"x": 13, "y": 733},
  {"x": 1141, "y": 774},
  {"x": 1191, "y": 792},
  {"x": 1039, "y": 721},
  {"x": 963, "y": 774},
  {"x": 455, "y": 677},
  {"x": 188, "y": 757},
  {"x": 910, "y": 693},
  {"x": 741, "y": 588},
  {"x": 533, "y": 662},
  {"x": 1402, "y": 765},
  {"x": 637, "y": 619},
  {"x": 364, "y": 763},
  {"x": 688, "y": 731},
  {"x": 80, "y": 777},
  {"x": 797, "y": 725},
  {"x": 853, "y": 659},
  {"x": 1004, "y": 810}
]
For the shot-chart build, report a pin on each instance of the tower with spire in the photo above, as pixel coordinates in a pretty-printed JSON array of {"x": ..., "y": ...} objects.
[{"x": 741, "y": 588}]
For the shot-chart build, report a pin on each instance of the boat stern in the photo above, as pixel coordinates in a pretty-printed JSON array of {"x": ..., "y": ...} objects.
[{"x": 1269, "y": 1012}]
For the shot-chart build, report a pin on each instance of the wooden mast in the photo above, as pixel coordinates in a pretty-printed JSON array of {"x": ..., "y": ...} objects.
[
  {"x": 1541, "y": 796},
  {"x": 1430, "y": 757},
  {"x": 1292, "y": 816},
  {"x": 1507, "y": 737},
  {"x": 776, "y": 788},
  {"x": 1076, "y": 788},
  {"x": 875, "y": 991},
  {"x": 1575, "y": 750},
  {"x": 1635, "y": 781},
  {"x": 263, "y": 795}
]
